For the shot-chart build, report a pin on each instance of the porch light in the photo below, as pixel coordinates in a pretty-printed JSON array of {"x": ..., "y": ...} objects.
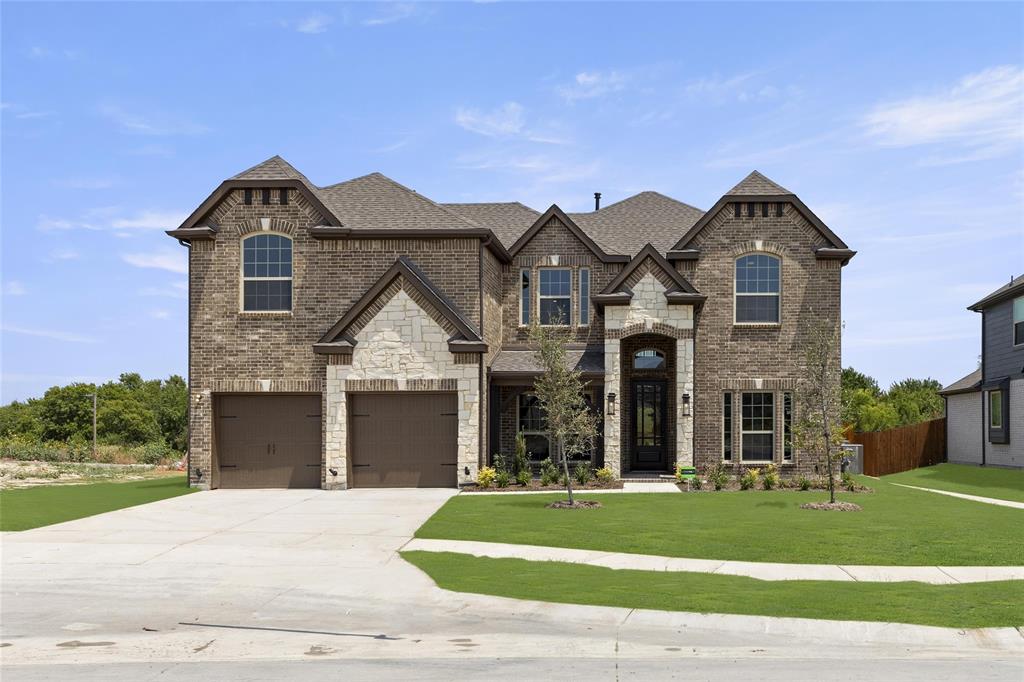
[
  {"x": 611, "y": 404},
  {"x": 686, "y": 404}
]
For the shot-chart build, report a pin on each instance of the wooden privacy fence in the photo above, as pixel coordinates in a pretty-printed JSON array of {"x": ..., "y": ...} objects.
[{"x": 903, "y": 448}]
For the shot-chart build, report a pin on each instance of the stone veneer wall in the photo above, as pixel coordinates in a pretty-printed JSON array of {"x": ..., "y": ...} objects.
[
  {"x": 402, "y": 349},
  {"x": 648, "y": 312}
]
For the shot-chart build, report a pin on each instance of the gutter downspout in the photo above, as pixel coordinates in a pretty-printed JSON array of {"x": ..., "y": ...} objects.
[
  {"x": 983, "y": 401},
  {"x": 188, "y": 372}
]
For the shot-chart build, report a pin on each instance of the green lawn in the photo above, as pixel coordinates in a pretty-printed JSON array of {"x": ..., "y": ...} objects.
[
  {"x": 971, "y": 605},
  {"x": 898, "y": 526},
  {"x": 43, "y": 505},
  {"x": 1002, "y": 484}
]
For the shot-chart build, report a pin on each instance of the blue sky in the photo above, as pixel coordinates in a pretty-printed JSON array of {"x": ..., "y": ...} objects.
[{"x": 900, "y": 125}]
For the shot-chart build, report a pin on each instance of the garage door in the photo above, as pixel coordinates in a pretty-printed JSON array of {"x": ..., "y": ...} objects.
[
  {"x": 268, "y": 441},
  {"x": 403, "y": 440}
]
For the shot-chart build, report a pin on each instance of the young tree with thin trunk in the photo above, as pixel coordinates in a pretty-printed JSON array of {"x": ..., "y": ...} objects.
[
  {"x": 818, "y": 431},
  {"x": 571, "y": 423}
]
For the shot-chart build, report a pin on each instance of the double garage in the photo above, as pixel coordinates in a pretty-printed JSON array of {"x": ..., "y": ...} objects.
[{"x": 396, "y": 440}]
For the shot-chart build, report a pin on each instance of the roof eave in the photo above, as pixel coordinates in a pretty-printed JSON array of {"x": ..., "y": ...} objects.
[
  {"x": 190, "y": 234},
  {"x": 218, "y": 194},
  {"x": 843, "y": 255},
  {"x": 998, "y": 297}
]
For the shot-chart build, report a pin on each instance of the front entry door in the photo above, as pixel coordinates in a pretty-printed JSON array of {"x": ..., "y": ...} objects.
[{"x": 648, "y": 428}]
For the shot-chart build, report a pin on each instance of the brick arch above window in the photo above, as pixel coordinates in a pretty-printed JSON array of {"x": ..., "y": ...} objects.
[
  {"x": 279, "y": 225},
  {"x": 759, "y": 246}
]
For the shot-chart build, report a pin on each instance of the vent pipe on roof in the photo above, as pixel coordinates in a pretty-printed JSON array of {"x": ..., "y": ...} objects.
[{"x": 597, "y": 201}]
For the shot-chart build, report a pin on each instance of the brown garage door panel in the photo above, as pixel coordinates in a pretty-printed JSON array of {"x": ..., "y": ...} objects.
[
  {"x": 404, "y": 440},
  {"x": 268, "y": 441}
]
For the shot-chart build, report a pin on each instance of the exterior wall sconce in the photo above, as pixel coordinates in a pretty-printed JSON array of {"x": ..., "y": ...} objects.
[
  {"x": 199, "y": 474},
  {"x": 611, "y": 404},
  {"x": 686, "y": 404}
]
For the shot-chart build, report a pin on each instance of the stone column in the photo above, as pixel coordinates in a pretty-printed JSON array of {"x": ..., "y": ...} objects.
[
  {"x": 335, "y": 424},
  {"x": 684, "y": 384},
  {"x": 612, "y": 439}
]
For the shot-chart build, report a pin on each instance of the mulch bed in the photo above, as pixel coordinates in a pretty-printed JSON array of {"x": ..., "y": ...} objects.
[
  {"x": 831, "y": 506},
  {"x": 578, "y": 504},
  {"x": 535, "y": 485}
]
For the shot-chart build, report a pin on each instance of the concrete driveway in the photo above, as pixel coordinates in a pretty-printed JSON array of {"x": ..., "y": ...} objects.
[{"x": 291, "y": 584}]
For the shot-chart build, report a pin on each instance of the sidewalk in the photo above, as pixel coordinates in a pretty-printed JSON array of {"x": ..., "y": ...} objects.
[
  {"x": 965, "y": 496},
  {"x": 935, "y": 575}
]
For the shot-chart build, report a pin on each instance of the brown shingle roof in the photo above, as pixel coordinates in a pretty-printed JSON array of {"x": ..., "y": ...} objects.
[
  {"x": 525, "y": 362},
  {"x": 627, "y": 226},
  {"x": 377, "y": 202},
  {"x": 274, "y": 168},
  {"x": 506, "y": 220},
  {"x": 969, "y": 383},
  {"x": 756, "y": 184}
]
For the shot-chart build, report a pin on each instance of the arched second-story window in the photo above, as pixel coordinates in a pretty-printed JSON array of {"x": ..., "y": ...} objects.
[
  {"x": 266, "y": 273},
  {"x": 649, "y": 359},
  {"x": 757, "y": 289}
]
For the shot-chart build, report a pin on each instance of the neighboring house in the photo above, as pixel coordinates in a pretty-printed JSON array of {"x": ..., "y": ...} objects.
[
  {"x": 361, "y": 334},
  {"x": 985, "y": 409}
]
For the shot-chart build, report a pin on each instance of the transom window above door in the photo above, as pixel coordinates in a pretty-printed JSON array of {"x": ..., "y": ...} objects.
[
  {"x": 266, "y": 273},
  {"x": 555, "y": 296},
  {"x": 649, "y": 359},
  {"x": 757, "y": 289}
]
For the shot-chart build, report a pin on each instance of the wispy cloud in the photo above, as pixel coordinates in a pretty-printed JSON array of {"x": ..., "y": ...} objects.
[
  {"x": 56, "y": 335},
  {"x": 113, "y": 218},
  {"x": 172, "y": 290},
  {"x": 14, "y": 288},
  {"x": 156, "y": 123},
  {"x": 164, "y": 259},
  {"x": 393, "y": 13},
  {"x": 590, "y": 84},
  {"x": 44, "y": 52},
  {"x": 504, "y": 121},
  {"x": 982, "y": 115},
  {"x": 313, "y": 23},
  {"x": 744, "y": 87},
  {"x": 541, "y": 168},
  {"x": 88, "y": 182},
  {"x": 159, "y": 314}
]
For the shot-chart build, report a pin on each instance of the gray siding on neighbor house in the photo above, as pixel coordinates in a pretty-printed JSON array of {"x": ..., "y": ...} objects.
[
  {"x": 1001, "y": 357},
  {"x": 963, "y": 428},
  {"x": 1009, "y": 454}
]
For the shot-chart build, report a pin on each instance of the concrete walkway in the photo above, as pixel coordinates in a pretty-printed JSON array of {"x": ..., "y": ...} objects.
[
  {"x": 964, "y": 496},
  {"x": 935, "y": 575}
]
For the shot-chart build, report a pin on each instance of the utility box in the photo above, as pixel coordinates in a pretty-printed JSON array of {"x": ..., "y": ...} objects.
[{"x": 853, "y": 458}]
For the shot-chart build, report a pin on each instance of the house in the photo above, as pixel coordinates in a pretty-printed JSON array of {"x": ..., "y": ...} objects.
[
  {"x": 361, "y": 334},
  {"x": 986, "y": 408}
]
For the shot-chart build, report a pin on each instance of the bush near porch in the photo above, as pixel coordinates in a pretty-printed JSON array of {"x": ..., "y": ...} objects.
[{"x": 897, "y": 527}]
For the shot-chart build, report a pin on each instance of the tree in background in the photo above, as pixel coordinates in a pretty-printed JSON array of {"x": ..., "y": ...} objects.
[
  {"x": 867, "y": 408},
  {"x": 916, "y": 400}
]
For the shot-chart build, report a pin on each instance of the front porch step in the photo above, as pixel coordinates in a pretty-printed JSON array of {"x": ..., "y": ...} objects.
[{"x": 648, "y": 478}]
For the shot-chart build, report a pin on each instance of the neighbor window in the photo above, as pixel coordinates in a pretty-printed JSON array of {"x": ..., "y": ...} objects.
[
  {"x": 995, "y": 409},
  {"x": 555, "y": 296},
  {"x": 1018, "y": 321},
  {"x": 649, "y": 359},
  {"x": 524, "y": 297},
  {"x": 727, "y": 426},
  {"x": 757, "y": 429},
  {"x": 757, "y": 289},
  {"x": 584, "y": 296},
  {"x": 267, "y": 273},
  {"x": 787, "y": 427},
  {"x": 533, "y": 426}
]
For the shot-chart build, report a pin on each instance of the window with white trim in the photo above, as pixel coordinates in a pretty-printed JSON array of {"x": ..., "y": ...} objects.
[
  {"x": 266, "y": 273},
  {"x": 757, "y": 427},
  {"x": 757, "y": 289},
  {"x": 1018, "y": 321},
  {"x": 533, "y": 426},
  {"x": 727, "y": 426},
  {"x": 584, "y": 297},
  {"x": 555, "y": 296},
  {"x": 524, "y": 297},
  {"x": 787, "y": 427}
]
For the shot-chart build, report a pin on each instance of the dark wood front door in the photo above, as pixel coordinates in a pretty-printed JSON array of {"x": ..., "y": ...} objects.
[
  {"x": 268, "y": 441},
  {"x": 403, "y": 440},
  {"x": 647, "y": 434}
]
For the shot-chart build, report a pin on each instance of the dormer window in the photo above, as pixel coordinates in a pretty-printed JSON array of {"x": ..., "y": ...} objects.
[
  {"x": 267, "y": 273},
  {"x": 757, "y": 289}
]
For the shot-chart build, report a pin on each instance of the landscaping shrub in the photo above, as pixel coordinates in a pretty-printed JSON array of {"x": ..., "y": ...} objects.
[
  {"x": 697, "y": 483},
  {"x": 848, "y": 481},
  {"x": 485, "y": 477},
  {"x": 521, "y": 460},
  {"x": 524, "y": 476},
  {"x": 548, "y": 472},
  {"x": 582, "y": 473},
  {"x": 770, "y": 477},
  {"x": 749, "y": 479},
  {"x": 503, "y": 478},
  {"x": 718, "y": 475},
  {"x": 605, "y": 475},
  {"x": 803, "y": 483},
  {"x": 153, "y": 453}
]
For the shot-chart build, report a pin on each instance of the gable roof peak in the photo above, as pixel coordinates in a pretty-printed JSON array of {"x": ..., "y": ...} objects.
[
  {"x": 274, "y": 168},
  {"x": 757, "y": 184}
]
